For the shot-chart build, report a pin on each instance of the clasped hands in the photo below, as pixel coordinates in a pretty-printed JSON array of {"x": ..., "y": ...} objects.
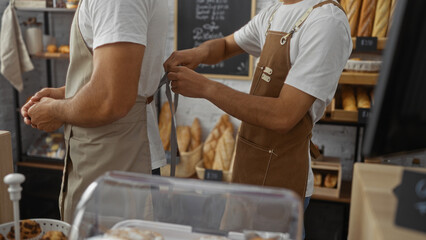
[
  {"x": 37, "y": 112},
  {"x": 184, "y": 80}
]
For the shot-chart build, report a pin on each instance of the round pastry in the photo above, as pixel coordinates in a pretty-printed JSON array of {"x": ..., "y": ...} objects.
[
  {"x": 51, "y": 48},
  {"x": 29, "y": 229},
  {"x": 317, "y": 179},
  {"x": 330, "y": 180},
  {"x": 130, "y": 233},
  {"x": 64, "y": 49},
  {"x": 54, "y": 235},
  {"x": 2, "y": 237}
]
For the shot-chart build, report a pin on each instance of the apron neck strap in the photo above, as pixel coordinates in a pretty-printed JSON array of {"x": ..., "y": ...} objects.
[
  {"x": 305, "y": 16},
  {"x": 175, "y": 155},
  {"x": 12, "y": 3}
]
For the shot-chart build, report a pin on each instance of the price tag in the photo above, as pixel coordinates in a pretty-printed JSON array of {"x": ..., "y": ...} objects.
[
  {"x": 213, "y": 175},
  {"x": 366, "y": 44},
  {"x": 411, "y": 194},
  {"x": 363, "y": 115}
]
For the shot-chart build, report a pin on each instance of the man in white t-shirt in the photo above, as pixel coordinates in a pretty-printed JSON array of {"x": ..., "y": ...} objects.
[
  {"x": 295, "y": 79},
  {"x": 117, "y": 48}
]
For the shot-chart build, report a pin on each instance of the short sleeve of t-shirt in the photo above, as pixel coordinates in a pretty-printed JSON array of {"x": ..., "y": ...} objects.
[
  {"x": 112, "y": 21},
  {"x": 323, "y": 47},
  {"x": 248, "y": 37}
]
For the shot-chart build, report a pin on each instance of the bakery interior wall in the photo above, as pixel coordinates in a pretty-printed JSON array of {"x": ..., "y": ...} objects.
[{"x": 338, "y": 141}]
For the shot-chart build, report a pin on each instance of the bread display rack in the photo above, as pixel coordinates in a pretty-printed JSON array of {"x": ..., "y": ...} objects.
[
  {"x": 14, "y": 181},
  {"x": 176, "y": 209},
  {"x": 324, "y": 169}
]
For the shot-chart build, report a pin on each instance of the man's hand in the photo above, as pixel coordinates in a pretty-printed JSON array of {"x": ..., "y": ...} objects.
[
  {"x": 55, "y": 93},
  {"x": 41, "y": 118},
  {"x": 190, "y": 58},
  {"x": 188, "y": 83}
]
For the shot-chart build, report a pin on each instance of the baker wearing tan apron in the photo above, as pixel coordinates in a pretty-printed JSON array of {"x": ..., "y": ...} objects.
[
  {"x": 263, "y": 156},
  {"x": 122, "y": 145}
]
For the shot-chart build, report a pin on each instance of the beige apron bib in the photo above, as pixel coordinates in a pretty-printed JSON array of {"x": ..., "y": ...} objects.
[
  {"x": 122, "y": 145},
  {"x": 266, "y": 157}
]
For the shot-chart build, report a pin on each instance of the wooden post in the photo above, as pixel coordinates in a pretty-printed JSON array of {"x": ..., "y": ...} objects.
[{"x": 6, "y": 167}]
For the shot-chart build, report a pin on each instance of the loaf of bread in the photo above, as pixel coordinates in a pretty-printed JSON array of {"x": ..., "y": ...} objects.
[
  {"x": 381, "y": 20},
  {"x": 212, "y": 139},
  {"x": 2, "y": 237},
  {"x": 165, "y": 125},
  {"x": 348, "y": 99},
  {"x": 183, "y": 138},
  {"x": 362, "y": 98},
  {"x": 366, "y": 18},
  {"x": 353, "y": 8},
  {"x": 165, "y": 115},
  {"x": 330, "y": 181},
  {"x": 391, "y": 14},
  {"x": 195, "y": 134},
  {"x": 317, "y": 179},
  {"x": 224, "y": 150}
]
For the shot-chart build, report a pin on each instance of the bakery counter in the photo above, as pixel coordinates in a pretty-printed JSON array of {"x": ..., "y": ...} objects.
[{"x": 374, "y": 204}]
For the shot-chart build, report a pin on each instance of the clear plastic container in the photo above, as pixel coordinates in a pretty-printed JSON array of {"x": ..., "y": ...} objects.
[{"x": 187, "y": 209}]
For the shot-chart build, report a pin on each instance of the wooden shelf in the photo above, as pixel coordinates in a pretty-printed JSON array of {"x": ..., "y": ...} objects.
[
  {"x": 381, "y": 43},
  {"x": 359, "y": 78},
  {"x": 46, "y": 55},
  {"x": 62, "y": 10},
  {"x": 50, "y": 166},
  {"x": 345, "y": 194}
]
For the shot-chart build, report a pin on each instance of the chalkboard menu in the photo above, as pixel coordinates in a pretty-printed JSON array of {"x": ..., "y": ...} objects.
[{"x": 200, "y": 20}]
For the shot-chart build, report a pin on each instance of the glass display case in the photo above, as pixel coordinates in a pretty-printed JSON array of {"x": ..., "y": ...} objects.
[{"x": 122, "y": 205}]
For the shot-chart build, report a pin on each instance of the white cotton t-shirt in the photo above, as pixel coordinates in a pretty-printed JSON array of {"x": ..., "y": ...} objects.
[
  {"x": 319, "y": 50},
  {"x": 144, "y": 22}
]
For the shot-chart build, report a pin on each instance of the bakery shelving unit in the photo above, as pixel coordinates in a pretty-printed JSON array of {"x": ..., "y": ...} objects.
[{"x": 43, "y": 174}]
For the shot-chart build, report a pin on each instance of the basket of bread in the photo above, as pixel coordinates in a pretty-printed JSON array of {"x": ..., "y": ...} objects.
[
  {"x": 218, "y": 150},
  {"x": 34, "y": 229},
  {"x": 189, "y": 143}
]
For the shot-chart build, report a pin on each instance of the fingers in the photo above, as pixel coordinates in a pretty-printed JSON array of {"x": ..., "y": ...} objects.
[{"x": 45, "y": 92}]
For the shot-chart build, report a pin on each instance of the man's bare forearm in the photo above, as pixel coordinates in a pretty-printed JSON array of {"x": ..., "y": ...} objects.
[{"x": 217, "y": 50}]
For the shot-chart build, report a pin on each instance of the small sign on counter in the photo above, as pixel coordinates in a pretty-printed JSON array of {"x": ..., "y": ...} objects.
[
  {"x": 366, "y": 44},
  {"x": 411, "y": 194},
  {"x": 213, "y": 175}
]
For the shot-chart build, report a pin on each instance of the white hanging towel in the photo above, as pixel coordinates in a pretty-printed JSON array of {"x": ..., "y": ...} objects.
[{"x": 14, "y": 58}]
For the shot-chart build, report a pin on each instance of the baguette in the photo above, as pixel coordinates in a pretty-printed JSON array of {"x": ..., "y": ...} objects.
[
  {"x": 366, "y": 19},
  {"x": 212, "y": 139},
  {"x": 362, "y": 98},
  {"x": 353, "y": 8},
  {"x": 381, "y": 19},
  {"x": 165, "y": 125},
  {"x": 224, "y": 150},
  {"x": 348, "y": 99},
  {"x": 183, "y": 138},
  {"x": 195, "y": 134}
]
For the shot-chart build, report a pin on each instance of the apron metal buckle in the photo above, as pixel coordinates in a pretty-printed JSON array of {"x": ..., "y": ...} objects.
[{"x": 283, "y": 40}]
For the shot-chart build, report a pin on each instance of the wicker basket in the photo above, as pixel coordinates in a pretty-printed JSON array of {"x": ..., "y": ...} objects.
[
  {"x": 46, "y": 225},
  {"x": 186, "y": 166},
  {"x": 227, "y": 175}
]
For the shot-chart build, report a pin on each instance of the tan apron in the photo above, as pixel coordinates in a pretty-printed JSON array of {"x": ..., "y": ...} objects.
[
  {"x": 266, "y": 157},
  {"x": 122, "y": 145}
]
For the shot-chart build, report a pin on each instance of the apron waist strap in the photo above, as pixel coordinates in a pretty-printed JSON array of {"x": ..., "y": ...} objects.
[{"x": 149, "y": 99}]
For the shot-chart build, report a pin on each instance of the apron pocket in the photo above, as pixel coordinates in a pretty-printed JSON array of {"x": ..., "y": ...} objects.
[{"x": 252, "y": 164}]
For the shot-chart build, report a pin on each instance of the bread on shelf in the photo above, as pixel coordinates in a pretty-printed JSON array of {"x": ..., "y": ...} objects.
[
  {"x": 317, "y": 179},
  {"x": 165, "y": 125},
  {"x": 381, "y": 19},
  {"x": 224, "y": 150},
  {"x": 363, "y": 100},
  {"x": 183, "y": 138},
  {"x": 348, "y": 99},
  {"x": 353, "y": 11},
  {"x": 212, "y": 139},
  {"x": 330, "y": 180},
  {"x": 196, "y": 134},
  {"x": 366, "y": 18}
]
